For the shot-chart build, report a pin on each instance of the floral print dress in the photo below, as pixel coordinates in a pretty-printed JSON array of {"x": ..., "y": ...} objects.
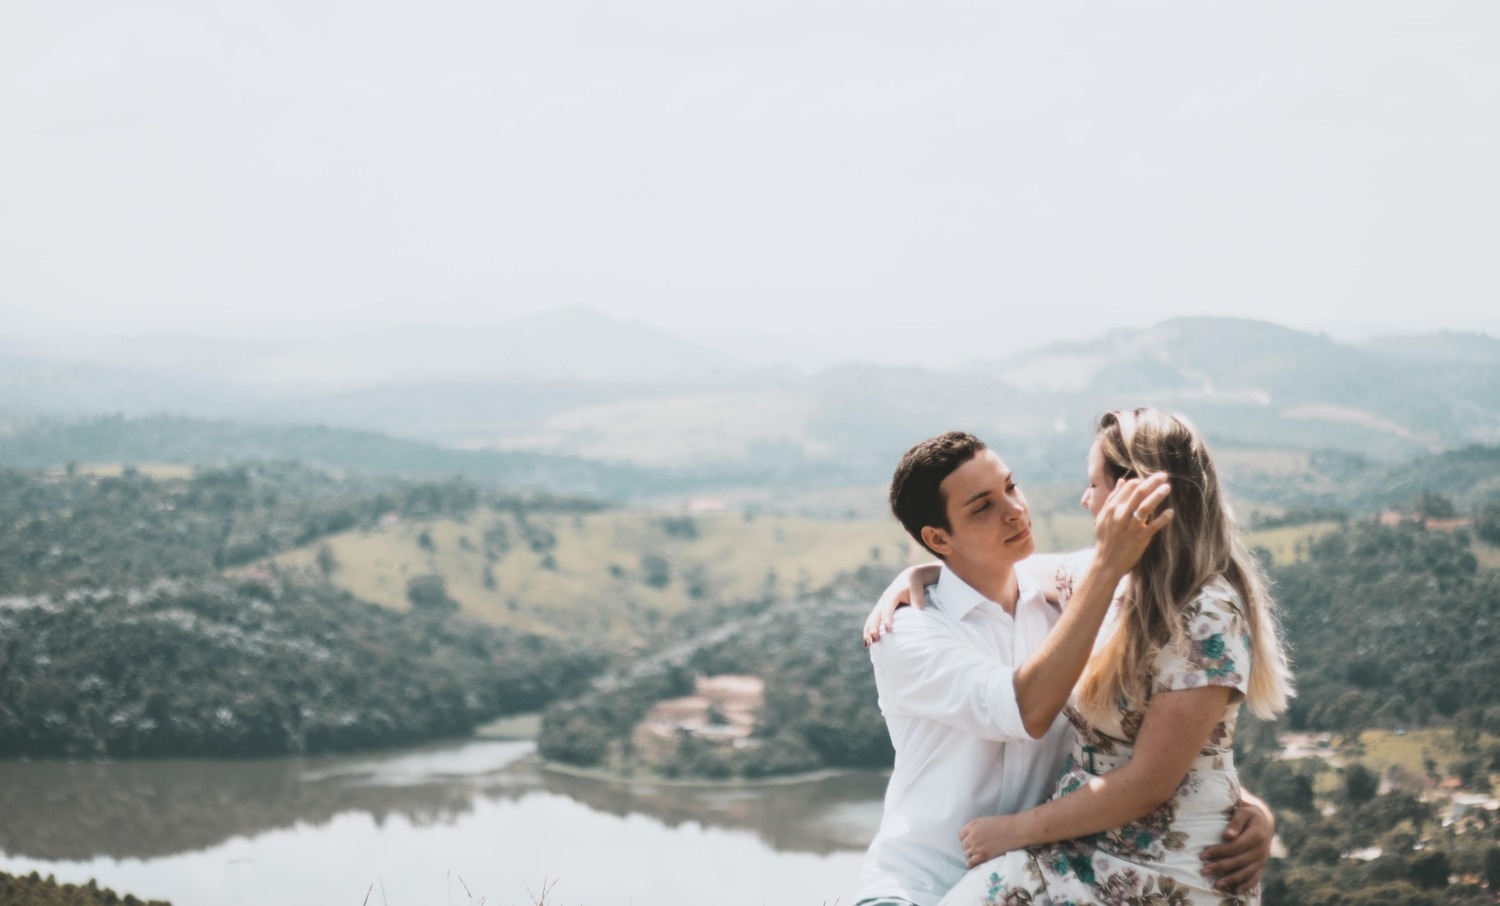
[{"x": 1152, "y": 861}]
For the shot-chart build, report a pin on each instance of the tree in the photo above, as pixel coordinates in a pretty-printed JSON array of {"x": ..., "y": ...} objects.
[
  {"x": 655, "y": 571},
  {"x": 327, "y": 562},
  {"x": 1435, "y": 506},
  {"x": 1430, "y": 870},
  {"x": 1360, "y": 784},
  {"x": 429, "y": 594},
  {"x": 1285, "y": 787},
  {"x": 570, "y": 735},
  {"x": 680, "y": 527},
  {"x": 1487, "y": 522}
]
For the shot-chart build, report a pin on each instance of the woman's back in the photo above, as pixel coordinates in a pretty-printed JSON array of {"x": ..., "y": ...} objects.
[{"x": 1213, "y": 649}]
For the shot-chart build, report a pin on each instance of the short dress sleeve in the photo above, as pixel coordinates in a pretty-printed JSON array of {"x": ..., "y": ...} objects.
[
  {"x": 1214, "y": 649},
  {"x": 1069, "y": 570}
]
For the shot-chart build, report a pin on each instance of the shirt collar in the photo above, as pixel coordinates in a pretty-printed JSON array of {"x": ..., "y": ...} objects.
[{"x": 957, "y": 597}]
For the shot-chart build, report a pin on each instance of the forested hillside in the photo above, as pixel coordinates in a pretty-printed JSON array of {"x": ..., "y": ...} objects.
[
  {"x": 1390, "y": 626},
  {"x": 66, "y": 530},
  {"x": 819, "y": 708},
  {"x": 205, "y": 668},
  {"x": 119, "y": 637}
]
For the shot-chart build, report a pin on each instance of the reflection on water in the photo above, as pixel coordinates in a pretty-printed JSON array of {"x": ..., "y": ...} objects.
[
  {"x": 479, "y": 802},
  {"x": 60, "y": 811},
  {"x": 819, "y": 816}
]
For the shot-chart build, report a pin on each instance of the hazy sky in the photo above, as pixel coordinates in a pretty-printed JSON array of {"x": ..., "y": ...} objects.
[{"x": 835, "y": 173}]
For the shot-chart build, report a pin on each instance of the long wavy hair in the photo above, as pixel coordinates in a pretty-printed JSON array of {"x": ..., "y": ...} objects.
[{"x": 1200, "y": 544}]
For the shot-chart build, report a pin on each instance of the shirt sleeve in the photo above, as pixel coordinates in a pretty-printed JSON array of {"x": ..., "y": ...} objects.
[
  {"x": 922, "y": 669},
  {"x": 1214, "y": 649}
]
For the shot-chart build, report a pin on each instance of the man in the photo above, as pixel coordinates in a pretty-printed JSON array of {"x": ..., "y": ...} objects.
[{"x": 972, "y": 687}]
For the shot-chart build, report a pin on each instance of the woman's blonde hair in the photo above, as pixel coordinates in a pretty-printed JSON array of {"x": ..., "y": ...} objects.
[{"x": 1201, "y": 543}]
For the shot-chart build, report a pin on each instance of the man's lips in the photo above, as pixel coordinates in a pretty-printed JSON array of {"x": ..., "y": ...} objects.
[{"x": 1022, "y": 535}]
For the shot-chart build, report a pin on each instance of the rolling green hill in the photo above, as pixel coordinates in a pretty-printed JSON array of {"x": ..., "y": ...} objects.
[
  {"x": 614, "y": 576},
  {"x": 119, "y": 637}
]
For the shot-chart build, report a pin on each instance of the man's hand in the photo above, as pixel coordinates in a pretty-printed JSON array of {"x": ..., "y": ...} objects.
[{"x": 1238, "y": 862}]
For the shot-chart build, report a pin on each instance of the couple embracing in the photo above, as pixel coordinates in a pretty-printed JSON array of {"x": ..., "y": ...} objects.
[{"x": 1063, "y": 724}]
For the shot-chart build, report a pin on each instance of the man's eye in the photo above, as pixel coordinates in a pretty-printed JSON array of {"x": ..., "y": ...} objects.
[{"x": 981, "y": 508}]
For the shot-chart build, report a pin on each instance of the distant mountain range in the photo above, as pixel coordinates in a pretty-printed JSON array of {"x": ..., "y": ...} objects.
[
  {"x": 1254, "y": 382},
  {"x": 628, "y": 402},
  {"x": 1438, "y": 348}
]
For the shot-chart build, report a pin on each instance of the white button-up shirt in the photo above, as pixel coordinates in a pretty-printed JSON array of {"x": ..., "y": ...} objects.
[{"x": 946, "y": 681}]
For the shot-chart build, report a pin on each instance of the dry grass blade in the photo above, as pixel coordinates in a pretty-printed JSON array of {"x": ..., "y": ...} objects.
[{"x": 546, "y": 889}]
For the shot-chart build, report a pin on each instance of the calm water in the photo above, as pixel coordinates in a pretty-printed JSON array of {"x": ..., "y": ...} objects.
[{"x": 423, "y": 824}]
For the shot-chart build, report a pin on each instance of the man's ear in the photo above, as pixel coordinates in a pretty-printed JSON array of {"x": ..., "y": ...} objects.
[{"x": 937, "y": 540}]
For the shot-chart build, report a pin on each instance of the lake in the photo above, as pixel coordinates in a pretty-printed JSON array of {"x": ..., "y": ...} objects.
[{"x": 423, "y": 826}]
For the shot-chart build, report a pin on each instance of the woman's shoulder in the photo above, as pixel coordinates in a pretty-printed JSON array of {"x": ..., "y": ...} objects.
[
  {"x": 1213, "y": 648},
  {"x": 1217, "y": 597},
  {"x": 1064, "y": 571}
]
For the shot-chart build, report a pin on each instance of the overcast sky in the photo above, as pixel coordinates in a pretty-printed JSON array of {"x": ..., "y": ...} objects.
[{"x": 834, "y": 174}]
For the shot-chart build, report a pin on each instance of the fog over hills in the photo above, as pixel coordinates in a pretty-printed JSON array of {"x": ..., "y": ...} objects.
[
  {"x": 566, "y": 343},
  {"x": 1249, "y": 379},
  {"x": 1446, "y": 346},
  {"x": 655, "y": 412}
]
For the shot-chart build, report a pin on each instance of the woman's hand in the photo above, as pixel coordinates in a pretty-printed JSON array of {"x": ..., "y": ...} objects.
[
  {"x": 985, "y": 838},
  {"x": 906, "y": 588},
  {"x": 1129, "y": 520}
]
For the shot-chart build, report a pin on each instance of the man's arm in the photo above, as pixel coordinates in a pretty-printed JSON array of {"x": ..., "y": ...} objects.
[{"x": 925, "y": 670}]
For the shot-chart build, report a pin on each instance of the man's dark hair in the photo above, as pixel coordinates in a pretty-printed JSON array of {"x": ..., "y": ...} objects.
[{"x": 916, "y": 493}]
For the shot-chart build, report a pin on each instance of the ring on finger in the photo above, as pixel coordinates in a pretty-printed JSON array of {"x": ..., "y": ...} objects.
[{"x": 1142, "y": 517}]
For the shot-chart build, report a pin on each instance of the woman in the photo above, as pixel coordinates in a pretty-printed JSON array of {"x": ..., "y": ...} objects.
[{"x": 1151, "y": 780}]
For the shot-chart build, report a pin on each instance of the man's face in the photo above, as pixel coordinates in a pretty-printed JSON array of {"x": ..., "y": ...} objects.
[{"x": 989, "y": 518}]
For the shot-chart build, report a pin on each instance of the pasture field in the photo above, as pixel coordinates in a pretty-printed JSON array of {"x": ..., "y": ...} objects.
[
  {"x": 613, "y": 575},
  {"x": 1288, "y": 544},
  {"x": 1380, "y": 750},
  {"x": 605, "y": 576},
  {"x": 156, "y": 471},
  {"x": 1488, "y": 555}
]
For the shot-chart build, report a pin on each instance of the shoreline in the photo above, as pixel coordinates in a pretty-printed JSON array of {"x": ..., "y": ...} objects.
[
  {"x": 526, "y": 727},
  {"x": 647, "y": 778}
]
